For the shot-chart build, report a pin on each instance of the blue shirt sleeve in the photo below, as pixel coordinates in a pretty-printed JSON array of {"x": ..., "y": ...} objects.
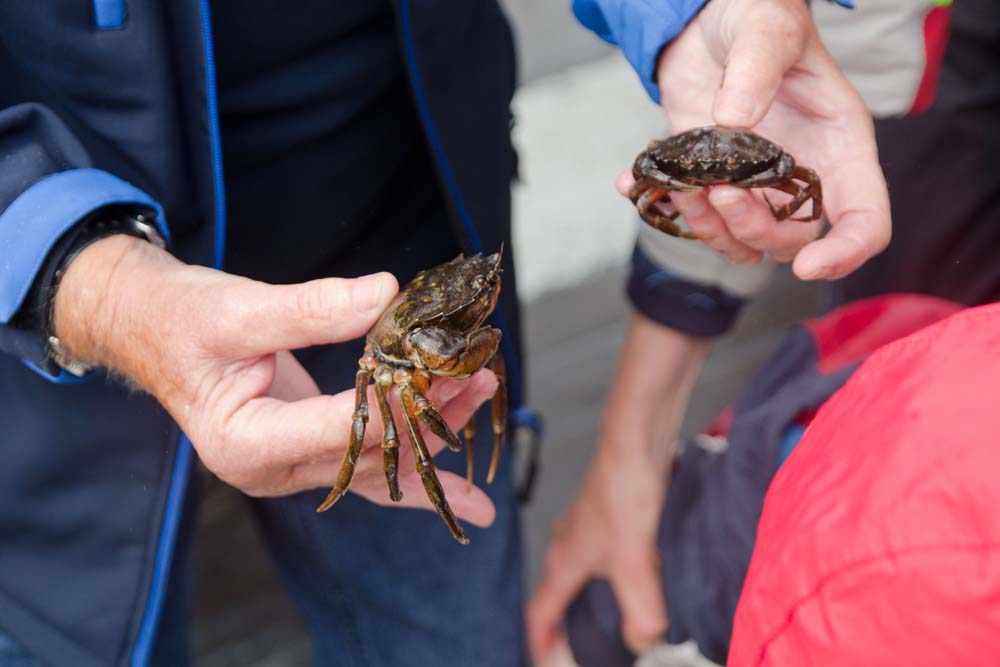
[
  {"x": 48, "y": 186},
  {"x": 641, "y": 28}
]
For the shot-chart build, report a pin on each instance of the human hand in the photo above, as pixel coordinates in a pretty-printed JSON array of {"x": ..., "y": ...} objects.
[
  {"x": 214, "y": 350},
  {"x": 761, "y": 64},
  {"x": 610, "y": 529}
]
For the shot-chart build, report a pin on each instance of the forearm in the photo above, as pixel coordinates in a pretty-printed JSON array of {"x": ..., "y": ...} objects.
[{"x": 656, "y": 373}]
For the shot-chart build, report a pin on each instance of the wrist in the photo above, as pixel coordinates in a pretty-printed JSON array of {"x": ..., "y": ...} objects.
[
  {"x": 656, "y": 372},
  {"x": 98, "y": 304}
]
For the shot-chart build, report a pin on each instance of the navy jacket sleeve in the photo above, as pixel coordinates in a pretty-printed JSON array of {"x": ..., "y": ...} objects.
[
  {"x": 47, "y": 185},
  {"x": 691, "y": 307}
]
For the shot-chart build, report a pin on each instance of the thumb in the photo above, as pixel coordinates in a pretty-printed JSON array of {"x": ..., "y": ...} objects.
[
  {"x": 638, "y": 588},
  {"x": 767, "y": 42},
  {"x": 259, "y": 318}
]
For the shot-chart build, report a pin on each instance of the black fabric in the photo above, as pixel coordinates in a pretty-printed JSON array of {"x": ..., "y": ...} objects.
[
  {"x": 943, "y": 172},
  {"x": 115, "y": 93},
  {"x": 667, "y": 299},
  {"x": 318, "y": 127},
  {"x": 36, "y": 143},
  {"x": 83, "y": 481}
]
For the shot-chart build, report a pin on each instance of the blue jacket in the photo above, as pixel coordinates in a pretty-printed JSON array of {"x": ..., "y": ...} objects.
[{"x": 112, "y": 103}]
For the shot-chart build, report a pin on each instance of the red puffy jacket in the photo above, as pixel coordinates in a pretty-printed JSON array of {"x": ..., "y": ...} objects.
[{"x": 879, "y": 542}]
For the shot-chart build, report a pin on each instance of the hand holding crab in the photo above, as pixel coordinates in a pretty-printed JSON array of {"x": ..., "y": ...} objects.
[
  {"x": 254, "y": 414},
  {"x": 761, "y": 64}
]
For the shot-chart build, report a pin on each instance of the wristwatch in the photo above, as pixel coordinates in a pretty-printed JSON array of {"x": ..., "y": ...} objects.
[{"x": 88, "y": 232}]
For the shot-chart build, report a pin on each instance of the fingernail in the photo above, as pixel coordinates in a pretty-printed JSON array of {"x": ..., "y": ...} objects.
[
  {"x": 366, "y": 292},
  {"x": 734, "y": 108},
  {"x": 819, "y": 272}
]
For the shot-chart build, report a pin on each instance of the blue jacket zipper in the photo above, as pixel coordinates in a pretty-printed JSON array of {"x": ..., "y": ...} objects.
[
  {"x": 182, "y": 463},
  {"x": 510, "y": 357}
]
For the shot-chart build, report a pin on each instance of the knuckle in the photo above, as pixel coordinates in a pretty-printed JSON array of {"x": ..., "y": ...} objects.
[
  {"x": 784, "y": 255},
  {"x": 750, "y": 232},
  {"x": 316, "y": 305},
  {"x": 785, "y": 22},
  {"x": 712, "y": 240},
  {"x": 749, "y": 257},
  {"x": 786, "y": 18},
  {"x": 311, "y": 300}
]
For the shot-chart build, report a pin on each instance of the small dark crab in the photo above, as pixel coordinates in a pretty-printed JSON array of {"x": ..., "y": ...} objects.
[
  {"x": 713, "y": 156},
  {"x": 434, "y": 326}
]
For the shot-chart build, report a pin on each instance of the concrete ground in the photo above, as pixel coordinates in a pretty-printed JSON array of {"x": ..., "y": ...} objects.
[{"x": 581, "y": 118}]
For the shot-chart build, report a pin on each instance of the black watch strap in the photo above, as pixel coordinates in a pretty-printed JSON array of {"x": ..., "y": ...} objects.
[{"x": 36, "y": 313}]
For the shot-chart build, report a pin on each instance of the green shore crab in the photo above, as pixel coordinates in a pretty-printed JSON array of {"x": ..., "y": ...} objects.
[
  {"x": 713, "y": 156},
  {"x": 434, "y": 326}
]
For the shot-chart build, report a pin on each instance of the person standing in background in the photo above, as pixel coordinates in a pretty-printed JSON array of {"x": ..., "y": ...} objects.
[{"x": 929, "y": 73}]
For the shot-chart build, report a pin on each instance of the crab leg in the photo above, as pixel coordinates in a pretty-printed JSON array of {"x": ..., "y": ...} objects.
[
  {"x": 499, "y": 409},
  {"x": 645, "y": 171},
  {"x": 435, "y": 422},
  {"x": 367, "y": 365},
  {"x": 469, "y": 435},
  {"x": 800, "y": 195},
  {"x": 814, "y": 188},
  {"x": 773, "y": 178},
  {"x": 439, "y": 427},
  {"x": 637, "y": 189},
  {"x": 661, "y": 221},
  {"x": 425, "y": 464},
  {"x": 390, "y": 441}
]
